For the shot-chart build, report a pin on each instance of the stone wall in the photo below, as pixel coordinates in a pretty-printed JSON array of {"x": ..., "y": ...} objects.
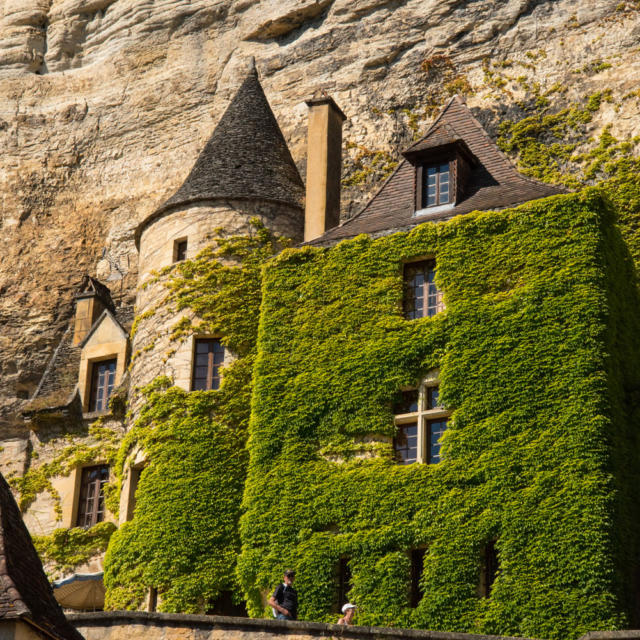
[
  {"x": 106, "y": 104},
  {"x": 130, "y": 625}
]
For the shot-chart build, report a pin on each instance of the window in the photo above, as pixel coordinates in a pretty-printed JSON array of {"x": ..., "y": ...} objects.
[
  {"x": 435, "y": 185},
  {"x": 421, "y": 296},
  {"x": 91, "y": 505},
  {"x": 134, "y": 479},
  {"x": 180, "y": 250},
  {"x": 103, "y": 376},
  {"x": 344, "y": 582},
  {"x": 420, "y": 422},
  {"x": 209, "y": 357},
  {"x": 490, "y": 569},
  {"x": 224, "y": 605},
  {"x": 417, "y": 567}
]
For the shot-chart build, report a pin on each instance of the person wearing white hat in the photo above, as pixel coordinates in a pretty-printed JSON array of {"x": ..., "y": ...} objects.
[{"x": 347, "y": 613}]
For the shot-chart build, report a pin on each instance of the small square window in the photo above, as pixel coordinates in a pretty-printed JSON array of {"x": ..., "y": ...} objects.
[
  {"x": 103, "y": 377},
  {"x": 91, "y": 501},
  {"x": 436, "y": 185},
  {"x": 420, "y": 422},
  {"x": 180, "y": 250},
  {"x": 422, "y": 298},
  {"x": 209, "y": 358}
]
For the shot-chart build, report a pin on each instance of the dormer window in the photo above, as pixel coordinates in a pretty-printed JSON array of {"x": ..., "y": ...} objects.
[
  {"x": 435, "y": 185},
  {"x": 442, "y": 169}
]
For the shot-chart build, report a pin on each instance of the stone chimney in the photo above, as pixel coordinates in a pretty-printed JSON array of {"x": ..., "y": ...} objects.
[
  {"x": 91, "y": 300},
  {"x": 324, "y": 165}
]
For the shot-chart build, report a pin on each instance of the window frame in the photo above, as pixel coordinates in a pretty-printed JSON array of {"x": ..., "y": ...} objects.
[
  {"x": 408, "y": 290},
  {"x": 89, "y": 517},
  {"x": 211, "y": 365},
  {"x": 177, "y": 244},
  {"x": 94, "y": 376},
  {"x": 421, "y": 184},
  {"x": 422, "y": 417},
  {"x": 424, "y": 184}
]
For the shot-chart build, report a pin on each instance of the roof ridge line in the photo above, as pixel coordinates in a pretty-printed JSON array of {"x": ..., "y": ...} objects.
[
  {"x": 375, "y": 195},
  {"x": 503, "y": 155}
]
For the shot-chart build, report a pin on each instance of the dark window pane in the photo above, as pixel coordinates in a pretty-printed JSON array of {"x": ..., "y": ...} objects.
[
  {"x": 435, "y": 429},
  {"x": 406, "y": 443},
  {"x": 406, "y": 402},
  {"x": 344, "y": 582},
  {"x": 180, "y": 250},
  {"x": 490, "y": 568},
  {"x": 202, "y": 346},
  {"x": 417, "y": 568},
  {"x": 432, "y": 398}
]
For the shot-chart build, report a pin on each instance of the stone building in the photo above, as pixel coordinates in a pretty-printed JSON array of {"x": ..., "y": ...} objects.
[{"x": 89, "y": 397}]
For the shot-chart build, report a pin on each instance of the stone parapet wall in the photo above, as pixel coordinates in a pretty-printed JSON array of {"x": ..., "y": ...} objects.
[{"x": 132, "y": 625}]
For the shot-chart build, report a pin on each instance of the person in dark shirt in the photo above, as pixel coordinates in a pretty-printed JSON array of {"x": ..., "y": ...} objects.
[{"x": 284, "y": 600}]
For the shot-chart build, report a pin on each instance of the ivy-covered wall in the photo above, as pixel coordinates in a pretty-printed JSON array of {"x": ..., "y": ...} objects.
[
  {"x": 538, "y": 358},
  {"x": 183, "y": 539}
]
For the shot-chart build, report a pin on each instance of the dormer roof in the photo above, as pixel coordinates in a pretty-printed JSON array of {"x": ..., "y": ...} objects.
[
  {"x": 246, "y": 158},
  {"x": 25, "y": 592},
  {"x": 492, "y": 183},
  {"x": 92, "y": 287},
  {"x": 105, "y": 316}
]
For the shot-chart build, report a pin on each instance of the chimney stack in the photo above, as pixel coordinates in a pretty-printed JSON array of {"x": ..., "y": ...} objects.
[
  {"x": 91, "y": 300},
  {"x": 324, "y": 165}
]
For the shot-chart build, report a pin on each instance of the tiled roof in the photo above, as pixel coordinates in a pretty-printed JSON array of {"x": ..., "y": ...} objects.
[
  {"x": 25, "y": 592},
  {"x": 246, "y": 157},
  {"x": 494, "y": 183}
]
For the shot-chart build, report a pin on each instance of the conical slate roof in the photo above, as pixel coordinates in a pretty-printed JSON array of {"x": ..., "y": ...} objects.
[
  {"x": 25, "y": 592},
  {"x": 246, "y": 157}
]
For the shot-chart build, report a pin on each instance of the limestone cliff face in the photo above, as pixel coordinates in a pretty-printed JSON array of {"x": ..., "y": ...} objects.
[{"x": 105, "y": 105}]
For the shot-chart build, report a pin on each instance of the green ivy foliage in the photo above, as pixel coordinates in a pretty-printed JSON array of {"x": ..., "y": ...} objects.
[
  {"x": 183, "y": 539},
  {"x": 537, "y": 353},
  {"x": 65, "y": 549}
]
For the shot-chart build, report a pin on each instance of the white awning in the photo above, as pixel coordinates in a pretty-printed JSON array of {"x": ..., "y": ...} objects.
[{"x": 80, "y": 591}]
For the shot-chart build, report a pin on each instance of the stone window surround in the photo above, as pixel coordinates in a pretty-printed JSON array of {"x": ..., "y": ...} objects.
[
  {"x": 69, "y": 489},
  {"x": 98, "y": 353},
  {"x": 423, "y": 414},
  {"x": 127, "y": 496}
]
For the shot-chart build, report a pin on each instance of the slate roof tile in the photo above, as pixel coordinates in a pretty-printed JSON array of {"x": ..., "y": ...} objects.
[
  {"x": 25, "y": 592},
  {"x": 246, "y": 157},
  {"x": 493, "y": 184}
]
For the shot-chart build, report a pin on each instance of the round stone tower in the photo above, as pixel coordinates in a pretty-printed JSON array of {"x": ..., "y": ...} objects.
[{"x": 245, "y": 171}]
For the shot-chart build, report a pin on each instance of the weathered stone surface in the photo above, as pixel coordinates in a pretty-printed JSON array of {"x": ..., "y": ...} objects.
[
  {"x": 106, "y": 104},
  {"x": 123, "y": 625}
]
